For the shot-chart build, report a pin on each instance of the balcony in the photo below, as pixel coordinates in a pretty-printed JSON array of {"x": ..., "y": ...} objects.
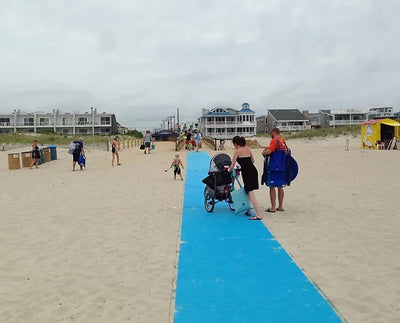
[
  {"x": 333, "y": 123},
  {"x": 380, "y": 115},
  {"x": 294, "y": 128}
]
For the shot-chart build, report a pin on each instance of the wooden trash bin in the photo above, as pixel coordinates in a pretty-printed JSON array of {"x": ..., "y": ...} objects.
[
  {"x": 47, "y": 155},
  {"x": 26, "y": 158},
  {"x": 14, "y": 161}
]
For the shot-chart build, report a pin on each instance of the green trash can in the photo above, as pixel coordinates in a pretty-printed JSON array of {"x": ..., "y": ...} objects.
[{"x": 53, "y": 152}]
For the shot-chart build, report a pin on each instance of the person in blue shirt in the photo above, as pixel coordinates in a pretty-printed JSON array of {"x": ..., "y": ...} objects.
[
  {"x": 77, "y": 153},
  {"x": 148, "y": 140}
]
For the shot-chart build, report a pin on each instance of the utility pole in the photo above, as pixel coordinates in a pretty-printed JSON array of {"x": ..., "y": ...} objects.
[{"x": 177, "y": 119}]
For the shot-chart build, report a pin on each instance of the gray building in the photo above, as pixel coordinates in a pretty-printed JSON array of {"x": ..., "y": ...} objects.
[
  {"x": 286, "y": 120},
  {"x": 90, "y": 123},
  {"x": 261, "y": 124}
]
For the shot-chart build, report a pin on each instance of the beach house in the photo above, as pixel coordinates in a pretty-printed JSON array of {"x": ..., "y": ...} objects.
[
  {"x": 225, "y": 123},
  {"x": 381, "y": 113},
  {"x": 345, "y": 117},
  {"x": 286, "y": 120},
  {"x": 90, "y": 123}
]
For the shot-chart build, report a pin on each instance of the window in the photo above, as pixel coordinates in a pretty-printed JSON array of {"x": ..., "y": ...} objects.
[
  {"x": 4, "y": 121},
  {"x": 105, "y": 120},
  {"x": 83, "y": 131},
  {"x": 67, "y": 122},
  {"x": 44, "y": 121},
  {"x": 107, "y": 130},
  {"x": 65, "y": 131},
  {"x": 82, "y": 121},
  {"x": 28, "y": 121}
]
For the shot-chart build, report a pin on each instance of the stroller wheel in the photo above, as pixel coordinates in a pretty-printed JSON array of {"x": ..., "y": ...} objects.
[
  {"x": 206, "y": 193},
  {"x": 209, "y": 204},
  {"x": 231, "y": 206}
]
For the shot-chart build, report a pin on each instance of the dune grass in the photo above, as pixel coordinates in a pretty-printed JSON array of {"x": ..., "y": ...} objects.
[
  {"x": 321, "y": 132},
  {"x": 24, "y": 139}
]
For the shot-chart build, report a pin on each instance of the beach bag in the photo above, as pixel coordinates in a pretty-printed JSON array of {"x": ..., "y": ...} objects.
[
  {"x": 278, "y": 176},
  {"x": 142, "y": 146},
  {"x": 71, "y": 147},
  {"x": 153, "y": 146},
  {"x": 82, "y": 161},
  {"x": 292, "y": 168},
  {"x": 240, "y": 199},
  {"x": 277, "y": 160}
]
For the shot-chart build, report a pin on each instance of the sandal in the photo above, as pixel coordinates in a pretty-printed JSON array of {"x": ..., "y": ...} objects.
[
  {"x": 270, "y": 210},
  {"x": 280, "y": 210},
  {"x": 255, "y": 218}
]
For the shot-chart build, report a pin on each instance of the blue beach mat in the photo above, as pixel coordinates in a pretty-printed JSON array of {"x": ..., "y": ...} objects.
[{"x": 233, "y": 270}]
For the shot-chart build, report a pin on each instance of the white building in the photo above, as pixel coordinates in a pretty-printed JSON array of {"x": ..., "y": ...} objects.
[
  {"x": 225, "y": 123},
  {"x": 381, "y": 113},
  {"x": 91, "y": 123}
]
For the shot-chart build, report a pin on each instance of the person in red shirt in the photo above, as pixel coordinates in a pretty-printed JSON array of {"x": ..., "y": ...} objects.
[{"x": 273, "y": 146}]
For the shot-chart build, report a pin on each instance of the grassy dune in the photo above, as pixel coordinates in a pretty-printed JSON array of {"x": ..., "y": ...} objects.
[{"x": 321, "y": 132}]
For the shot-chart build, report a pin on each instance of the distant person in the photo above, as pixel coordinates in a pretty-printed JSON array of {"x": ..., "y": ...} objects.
[
  {"x": 198, "y": 140},
  {"x": 35, "y": 154},
  {"x": 244, "y": 157},
  {"x": 271, "y": 149},
  {"x": 192, "y": 145},
  {"x": 114, "y": 151},
  {"x": 147, "y": 139},
  {"x": 221, "y": 144},
  {"x": 188, "y": 139},
  {"x": 78, "y": 151},
  {"x": 177, "y": 164}
]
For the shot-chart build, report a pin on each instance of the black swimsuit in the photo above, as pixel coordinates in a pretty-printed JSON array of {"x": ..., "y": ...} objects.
[
  {"x": 36, "y": 153},
  {"x": 249, "y": 173}
]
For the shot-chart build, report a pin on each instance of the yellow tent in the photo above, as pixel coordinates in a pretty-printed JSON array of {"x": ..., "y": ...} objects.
[{"x": 381, "y": 133}]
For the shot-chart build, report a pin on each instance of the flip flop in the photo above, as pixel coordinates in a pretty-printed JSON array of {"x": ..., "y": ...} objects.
[
  {"x": 254, "y": 218},
  {"x": 269, "y": 210},
  {"x": 280, "y": 210}
]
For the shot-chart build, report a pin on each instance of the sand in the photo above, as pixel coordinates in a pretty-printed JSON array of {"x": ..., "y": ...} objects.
[{"x": 101, "y": 244}]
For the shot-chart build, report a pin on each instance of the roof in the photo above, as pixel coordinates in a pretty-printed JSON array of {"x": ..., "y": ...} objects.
[
  {"x": 165, "y": 133},
  {"x": 246, "y": 110},
  {"x": 220, "y": 114},
  {"x": 389, "y": 122},
  {"x": 287, "y": 114},
  {"x": 227, "y": 112}
]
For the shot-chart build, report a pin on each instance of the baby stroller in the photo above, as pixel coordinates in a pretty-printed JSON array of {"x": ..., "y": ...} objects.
[{"x": 218, "y": 182}]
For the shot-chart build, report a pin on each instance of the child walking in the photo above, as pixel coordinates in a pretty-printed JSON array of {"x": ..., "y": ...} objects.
[{"x": 177, "y": 163}]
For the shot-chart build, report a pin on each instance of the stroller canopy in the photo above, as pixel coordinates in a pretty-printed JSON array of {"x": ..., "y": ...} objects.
[{"x": 218, "y": 162}]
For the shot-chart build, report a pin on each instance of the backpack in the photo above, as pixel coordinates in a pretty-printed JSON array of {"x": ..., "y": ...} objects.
[{"x": 71, "y": 147}]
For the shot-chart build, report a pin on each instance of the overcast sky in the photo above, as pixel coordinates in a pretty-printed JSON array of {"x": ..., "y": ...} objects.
[{"x": 143, "y": 59}]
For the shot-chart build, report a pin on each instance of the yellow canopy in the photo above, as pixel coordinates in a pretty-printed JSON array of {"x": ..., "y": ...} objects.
[{"x": 390, "y": 122}]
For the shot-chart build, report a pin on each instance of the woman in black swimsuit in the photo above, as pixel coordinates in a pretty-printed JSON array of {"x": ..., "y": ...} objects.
[
  {"x": 245, "y": 158},
  {"x": 114, "y": 151},
  {"x": 35, "y": 154}
]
